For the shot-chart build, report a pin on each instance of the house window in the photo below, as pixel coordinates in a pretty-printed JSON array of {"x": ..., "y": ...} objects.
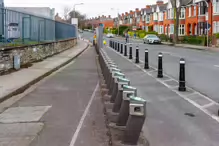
[
  {"x": 181, "y": 29},
  {"x": 190, "y": 11},
  {"x": 216, "y": 6},
  {"x": 216, "y": 27},
  {"x": 194, "y": 12},
  {"x": 171, "y": 28},
  {"x": 182, "y": 14},
  {"x": 146, "y": 28},
  {"x": 161, "y": 16},
  {"x": 148, "y": 18},
  {"x": 170, "y": 13},
  {"x": 156, "y": 28},
  {"x": 155, "y": 16},
  {"x": 202, "y": 8},
  {"x": 160, "y": 29}
]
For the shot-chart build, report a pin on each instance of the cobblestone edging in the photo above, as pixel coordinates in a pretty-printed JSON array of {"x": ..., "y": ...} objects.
[{"x": 32, "y": 53}]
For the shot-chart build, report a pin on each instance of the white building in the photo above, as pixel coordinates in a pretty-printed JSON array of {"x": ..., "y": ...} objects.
[{"x": 45, "y": 12}]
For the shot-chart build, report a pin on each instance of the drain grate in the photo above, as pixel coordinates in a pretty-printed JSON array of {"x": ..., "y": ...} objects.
[{"x": 189, "y": 114}]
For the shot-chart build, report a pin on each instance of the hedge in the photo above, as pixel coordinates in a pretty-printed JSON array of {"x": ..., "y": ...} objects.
[
  {"x": 217, "y": 35},
  {"x": 141, "y": 33}
]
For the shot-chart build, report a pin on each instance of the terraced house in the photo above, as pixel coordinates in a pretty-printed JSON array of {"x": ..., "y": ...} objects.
[{"x": 197, "y": 17}]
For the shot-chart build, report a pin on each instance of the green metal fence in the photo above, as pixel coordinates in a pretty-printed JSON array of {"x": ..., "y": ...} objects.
[{"x": 17, "y": 28}]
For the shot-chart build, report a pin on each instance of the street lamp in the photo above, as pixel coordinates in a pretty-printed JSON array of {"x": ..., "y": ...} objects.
[
  {"x": 74, "y": 8},
  {"x": 118, "y": 18}
]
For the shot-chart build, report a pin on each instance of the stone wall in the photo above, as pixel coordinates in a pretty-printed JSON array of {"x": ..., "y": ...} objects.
[{"x": 32, "y": 53}]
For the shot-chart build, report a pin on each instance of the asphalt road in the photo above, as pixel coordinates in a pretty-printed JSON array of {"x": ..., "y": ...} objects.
[{"x": 202, "y": 67}]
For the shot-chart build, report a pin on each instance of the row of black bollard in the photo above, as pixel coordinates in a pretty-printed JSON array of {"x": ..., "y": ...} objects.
[
  {"x": 129, "y": 109},
  {"x": 182, "y": 83}
]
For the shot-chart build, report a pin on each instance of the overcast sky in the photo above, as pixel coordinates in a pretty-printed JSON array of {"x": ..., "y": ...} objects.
[{"x": 91, "y": 8}]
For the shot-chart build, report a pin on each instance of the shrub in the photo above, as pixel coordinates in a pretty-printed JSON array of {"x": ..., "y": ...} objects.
[
  {"x": 195, "y": 40},
  {"x": 217, "y": 35},
  {"x": 163, "y": 37},
  {"x": 122, "y": 29}
]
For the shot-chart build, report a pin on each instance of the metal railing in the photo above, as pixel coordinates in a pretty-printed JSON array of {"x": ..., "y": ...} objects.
[{"x": 17, "y": 28}]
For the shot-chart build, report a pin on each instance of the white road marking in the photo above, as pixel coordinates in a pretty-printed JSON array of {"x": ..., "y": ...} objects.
[
  {"x": 185, "y": 97},
  {"x": 208, "y": 105},
  {"x": 75, "y": 136},
  {"x": 216, "y": 65}
]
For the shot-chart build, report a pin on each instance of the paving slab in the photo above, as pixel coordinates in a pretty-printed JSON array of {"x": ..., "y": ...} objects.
[
  {"x": 19, "y": 134},
  {"x": 171, "y": 120},
  {"x": 23, "y": 114}
]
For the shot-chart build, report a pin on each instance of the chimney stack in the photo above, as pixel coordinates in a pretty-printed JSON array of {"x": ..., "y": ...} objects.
[{"x": 148, "y": 6}]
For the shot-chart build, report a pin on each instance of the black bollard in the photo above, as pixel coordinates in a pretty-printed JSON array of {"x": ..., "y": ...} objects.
[
  {"x": 125, "y": 51},
  {"x": 113, "y": 44},
  {"x": 160, "y": 66},
  {"x": 118, "y": 47},
  {"x": 137, "y": 55},
  {"x": 146, "y": 62},
  {"x": 130, "y": 52},
  {"x": 137, "y": 115},
  {"x": 121, "y": 49},
  {"x": 182, "y": 81}
]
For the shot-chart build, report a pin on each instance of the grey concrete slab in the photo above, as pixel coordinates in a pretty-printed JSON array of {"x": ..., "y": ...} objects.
[
  {"x": 23, "y": 114},
  {"x": 20, "y": 141},
  {"x": 20, "y": 130},
  {"x": 168, "y": 123},
  {"x": 19, "y": 134}
]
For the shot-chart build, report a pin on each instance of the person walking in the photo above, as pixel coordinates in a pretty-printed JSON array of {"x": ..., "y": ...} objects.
[{"x": 127, "y": 37}]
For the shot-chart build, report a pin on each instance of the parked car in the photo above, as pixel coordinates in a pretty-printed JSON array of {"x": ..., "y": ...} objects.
[
  {"x": 151, "y": 39},
  {"x": 79, "y": 30},
  {"x": 110, "y": 35}
]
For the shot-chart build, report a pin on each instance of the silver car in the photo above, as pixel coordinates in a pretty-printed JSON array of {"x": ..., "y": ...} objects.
[{"x": 151, "y": 39}]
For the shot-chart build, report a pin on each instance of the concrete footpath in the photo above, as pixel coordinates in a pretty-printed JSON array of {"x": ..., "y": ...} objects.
[
  {"x": 171, "y": 120},
  {"x": 64, "y": 109},
  {"x": 18, "y": 81}
]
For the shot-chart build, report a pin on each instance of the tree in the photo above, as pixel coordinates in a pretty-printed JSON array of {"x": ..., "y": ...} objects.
[
  {"x": 68, "y": 14},
  {"x": 66, "y": 11},
  {"x": 177, "y": 5}
]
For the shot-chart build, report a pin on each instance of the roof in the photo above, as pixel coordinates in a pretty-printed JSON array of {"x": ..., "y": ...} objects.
[
  {"x": 138, "y": 13},
  {"x": 183, "y": 2},
  {"x": 148, "y": 10},
  {"x": 163, "y": 7}
]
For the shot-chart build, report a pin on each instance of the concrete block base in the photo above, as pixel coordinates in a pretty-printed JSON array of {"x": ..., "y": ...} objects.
[
  {"x": 104, "y": 92},
  {"x": 108, "y": 105},
  {"x": 112, "y": 117},
  {"x": 106, "y": 98}
]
